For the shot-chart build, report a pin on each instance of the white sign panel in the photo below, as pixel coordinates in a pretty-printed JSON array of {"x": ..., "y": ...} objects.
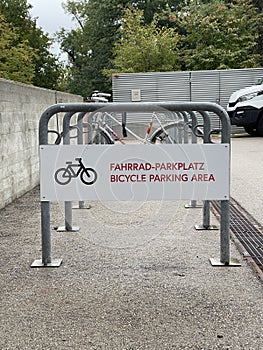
[
  {"x": 136, "y": 95},
  {"x": 134, "y": 172}
]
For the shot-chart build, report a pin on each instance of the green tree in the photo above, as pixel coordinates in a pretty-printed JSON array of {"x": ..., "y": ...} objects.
[
  {"x": 16, "y": 58},
  {"x": 220, "y": 35},
  {"x": 259, "y": 6},
  {"x": 90, "y": 47},
  {"x": 16, "y": 13},
  {"x": 152, "y": 7},
  {"x": 212, "y": 34},
  {"x": 145, "y": 47}
]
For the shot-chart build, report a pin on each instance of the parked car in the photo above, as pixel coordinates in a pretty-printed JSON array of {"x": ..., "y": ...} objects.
[
  {"x": 245, "y": 109},
  {"x": 249, "y": 114}
]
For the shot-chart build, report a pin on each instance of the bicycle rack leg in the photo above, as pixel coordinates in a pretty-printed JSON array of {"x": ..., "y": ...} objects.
[
  {"x": 68, "y": 205},
  {"x": 80, "y": 142},
  {"x": 193, "y": 204},
  {"x": 68, "y": 220},
  {"x": 206, "y": 219},
  {"x": 46, "y": 260},
  {"x": 225, "y": 238},
  {"x": 81, "y": 204}
]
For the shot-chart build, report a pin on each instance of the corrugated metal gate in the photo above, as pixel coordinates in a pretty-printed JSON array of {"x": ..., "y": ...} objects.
[{"x": 196, "y": 86}]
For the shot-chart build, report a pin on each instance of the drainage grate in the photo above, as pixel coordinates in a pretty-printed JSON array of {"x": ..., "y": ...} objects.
[{"x": 246, "y": 229}]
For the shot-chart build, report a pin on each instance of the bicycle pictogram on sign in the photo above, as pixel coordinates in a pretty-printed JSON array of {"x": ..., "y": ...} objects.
[{"x": 63, "y": 176}]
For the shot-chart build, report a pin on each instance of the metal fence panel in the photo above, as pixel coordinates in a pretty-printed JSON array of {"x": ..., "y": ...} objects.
[
  {"x": 210, "y": 86},
  {"x": 205, "y": 87},
  {"x": 153, "y": 87},
  {"x": 124, "y": 83},
  {"x": 196, "y": 86},
  {"x": 173, "y": 87}
]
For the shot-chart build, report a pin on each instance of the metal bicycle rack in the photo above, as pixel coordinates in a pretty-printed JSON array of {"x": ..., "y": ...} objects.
[{"x": 190, "y": 113}]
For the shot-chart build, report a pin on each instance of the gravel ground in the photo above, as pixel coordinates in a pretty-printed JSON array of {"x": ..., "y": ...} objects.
[
  {"x": 136, "y": 276},
  {"x": 247, "y": 170}
]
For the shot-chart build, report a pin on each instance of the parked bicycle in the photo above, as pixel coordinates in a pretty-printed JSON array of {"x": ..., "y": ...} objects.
[
  {"x": 163, "y": 127},
  {"x": 102, "y": 132},
  {"x": 63, "y": 176}
]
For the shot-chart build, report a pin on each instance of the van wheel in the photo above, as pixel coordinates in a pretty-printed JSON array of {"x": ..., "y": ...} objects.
[
  {"x": 260, "y": 126},
  {"x": 251, "y": 131}
]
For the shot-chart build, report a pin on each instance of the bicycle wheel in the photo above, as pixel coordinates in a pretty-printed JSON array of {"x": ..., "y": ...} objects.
[
  {"x": 63, "y": 176},
  {"x": 88, "y": 176},
  {"x": 101, "y": 137},
  {"x": 165, "y": 134}
]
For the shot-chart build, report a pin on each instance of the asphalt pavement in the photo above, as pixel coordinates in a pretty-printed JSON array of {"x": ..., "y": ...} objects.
[
  {"x": 136, "y": 275},
  {"x": 247, "y": 174}
]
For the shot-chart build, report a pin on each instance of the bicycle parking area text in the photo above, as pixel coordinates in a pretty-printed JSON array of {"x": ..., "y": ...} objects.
[
  {"x": 134, "y": 172},
  {"x": 160, "y": 177}
]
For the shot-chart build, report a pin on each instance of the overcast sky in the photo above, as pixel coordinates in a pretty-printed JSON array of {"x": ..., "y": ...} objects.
[{"x": 51, "y": 16}]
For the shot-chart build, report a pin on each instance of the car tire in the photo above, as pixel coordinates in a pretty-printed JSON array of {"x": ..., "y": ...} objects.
[
  {"x": 260, "y": 126},
  {"x": 251, "y": 131}
]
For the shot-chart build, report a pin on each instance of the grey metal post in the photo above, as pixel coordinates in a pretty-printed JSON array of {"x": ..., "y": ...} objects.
[
  {"x": 206, "y": 216},
  {"x": 68, "y": 218},
  {"x": 193, "y": 124},
  {"x": 206, "y": 207},
  {"x": 206, "y": 204},
  {"x": 186, "y": 127},
  {"x": 45, "y": 230},
  {"x": 46, "y": 260},
  {"x": 80, "y": 142},
  {"x": 89, "y": 126},
  {"x": 66, "y": 141},
  {"x": 183, "y": 129},
  {"x": 180, "y": 129},
  {"x": 225, "y": 204},
  {"x": 123, "y": 123},
  {"x": 68, "y": 204},
  {"x": 80, "y": 127},
  {"x": 225, "y": 236}
]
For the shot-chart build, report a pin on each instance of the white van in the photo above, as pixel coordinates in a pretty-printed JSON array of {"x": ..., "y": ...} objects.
[{"x": 245, "y": 108}]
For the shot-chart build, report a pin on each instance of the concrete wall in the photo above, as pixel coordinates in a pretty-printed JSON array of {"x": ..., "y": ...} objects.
[{"x": 20, "y": 109}]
